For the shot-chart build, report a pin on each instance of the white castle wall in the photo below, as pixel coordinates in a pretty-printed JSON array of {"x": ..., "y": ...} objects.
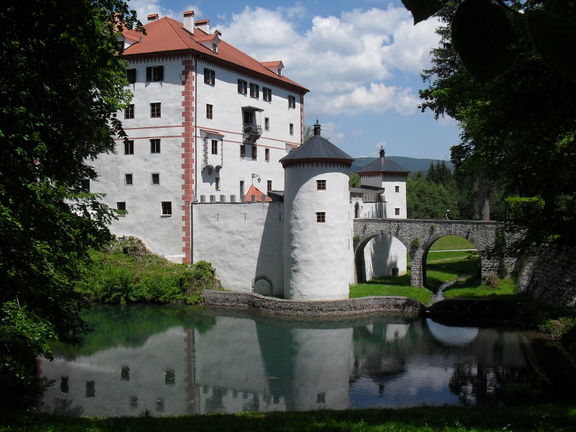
[
  {"x": 317, "y": 256},
  {"x": 162, "y": 234},
  {"x": 227, "y": 123},
  {"x": 243, "y": 242}
]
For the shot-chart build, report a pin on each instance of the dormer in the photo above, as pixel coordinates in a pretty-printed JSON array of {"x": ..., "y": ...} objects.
[
  {"x": 203, "y": 25},
  {"x": 130, "y": 37},
  {"x": 274, "y": 66},
  {"x": 210, "y": 41}
]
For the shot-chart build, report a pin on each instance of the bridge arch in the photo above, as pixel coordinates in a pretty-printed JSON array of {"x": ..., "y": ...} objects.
[
  {"x": 360, "y": 265},
  {"x": 418, "y": 235}
]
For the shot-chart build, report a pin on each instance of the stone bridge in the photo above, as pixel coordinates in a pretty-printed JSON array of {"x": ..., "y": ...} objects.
[{"x": 419, "y": 234}]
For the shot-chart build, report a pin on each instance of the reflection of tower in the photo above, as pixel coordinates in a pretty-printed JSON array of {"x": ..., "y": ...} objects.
[
  {"x": 192, "y": 395},
  {"x": 317, "y": 222}
]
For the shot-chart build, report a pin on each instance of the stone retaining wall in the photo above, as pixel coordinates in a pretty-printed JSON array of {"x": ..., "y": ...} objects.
[{"x": 357, "y": 306}]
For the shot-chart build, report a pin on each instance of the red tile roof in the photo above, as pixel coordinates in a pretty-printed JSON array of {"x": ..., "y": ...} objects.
[
  {"x": 167, "y": 36},
  {"x": 254, "y": 191}
]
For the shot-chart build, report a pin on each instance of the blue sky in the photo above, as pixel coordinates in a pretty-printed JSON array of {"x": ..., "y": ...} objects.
[{"x": 361, "y": 60}]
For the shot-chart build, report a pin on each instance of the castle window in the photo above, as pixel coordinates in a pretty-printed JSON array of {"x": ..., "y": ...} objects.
[
  {"x": 129, "y": 147},
  {"x": 267, "y": 155},
  {"x": 90, "y": 388},
  {"x": 291, "y": 128},
  {"x": 320, "y": 217},
  {"x": 254, "y": 152},
  {"x": 267, "y": 94},
  {"x": 121, "y": 208},
  {"x": 321, "y": 184},
  {"x": 254, "y": 90},
  {"x": 209, "y": 76},
  {"x": 209, "y": 111},
  {"x": 128, "y": 179},
  {"x": 166, "y": 208},
  {"x": 131, "y": 76},
  {"x": 155, "y": 146},
  {"x": 397, "y": 188},
  {"x": 125, "y": 373},
  {"x": 129, "y": 112},
  {"x": 269, "y": 186},
  {"x": 155, "y": 110},
  {"x": 242, "y": 151},
  {"x": 267, "y": 123},
  {"x": 242, "y": 87},
  {"x": 154, "y": 73},
  {"x": 397, "y": 211},
  {"x": 155, "y": 178},
  {"x": 291, "y": 102},
  {"x": 217, "y": 183},
  {"x": 215, "y": 147}
]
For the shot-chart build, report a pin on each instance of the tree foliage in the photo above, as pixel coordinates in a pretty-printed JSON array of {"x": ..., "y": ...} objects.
[
  {"x": 61, "y": 83},
  {"x": 518, "y": 125},
  {"x": 430, "y": 196}
]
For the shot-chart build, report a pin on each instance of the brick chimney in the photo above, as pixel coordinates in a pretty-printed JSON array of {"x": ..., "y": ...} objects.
[
  {"x": 188, "y": 21},
  {"x": 152, "y": 17}
]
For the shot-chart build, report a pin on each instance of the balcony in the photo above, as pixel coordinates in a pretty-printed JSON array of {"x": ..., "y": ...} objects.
[{"x": 251, "y": 132}]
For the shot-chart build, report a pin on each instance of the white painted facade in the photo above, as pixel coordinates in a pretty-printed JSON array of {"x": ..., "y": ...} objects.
[{"x": 318, "y": 256}]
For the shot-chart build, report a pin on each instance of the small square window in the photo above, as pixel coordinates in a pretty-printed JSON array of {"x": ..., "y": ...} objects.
[
  {"x": 291, "y": 128},
  {"x": 214, "y": 147},
  {"x": 121, "y": 208},
  {"x": 291, "y": 102},
  {"x": 154, "y": 73},
  {"x": 155, "y": 110},
  {"x": 254, "y": 90},
  {"x": 128, "y": 179},
  {"x": 267, "y": 94},
  {"x": 320, "y": 184},
  {"x": 90, "y": 388},
  {"x": 155, "y": 178},
  {"x": 166, "y": 208},
  {"x": 129, "y": 112},
  {"x": 155, "y": 145},
  {"x": 209, "y": 111},
  {"x": 131, "y": 76},
  {"x": 267, "y": 155},
  {"x": 320, "y": 217},
  {"x": 209, "y": 76},
  {"x": 242, "y": 87},
  {"x": 269, "y": 185},
  {"x": 397, "y": 211},
  {"x": 129, "y": 147},
  {"x": 267, "y": 123},
  {"x": 397, "y": 188}
]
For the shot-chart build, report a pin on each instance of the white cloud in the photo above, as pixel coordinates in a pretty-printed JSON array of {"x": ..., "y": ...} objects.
[
  {"x": 348, "y": 62},
  {"x": 145, "y": 7},
  {"x": 330, "y": 132}
]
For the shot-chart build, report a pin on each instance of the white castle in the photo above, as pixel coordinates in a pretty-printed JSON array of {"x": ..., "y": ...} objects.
[{"x": 213, "y": 170}]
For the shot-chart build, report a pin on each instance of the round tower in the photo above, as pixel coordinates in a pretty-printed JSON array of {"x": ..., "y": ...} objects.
[{"x": 318, "y": 251}]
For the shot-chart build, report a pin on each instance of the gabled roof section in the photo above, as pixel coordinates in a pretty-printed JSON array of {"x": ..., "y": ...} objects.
[
  {"x": 275, "y": 66},
  {"x": 316, "y": 149},
  {"x": 168, "y": 36},
  {"x": 383, "y": 165},
  {"x": 254, "y": 191}
]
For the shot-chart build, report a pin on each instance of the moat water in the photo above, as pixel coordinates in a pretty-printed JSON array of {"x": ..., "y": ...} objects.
[{"x": 145, "y": 360}]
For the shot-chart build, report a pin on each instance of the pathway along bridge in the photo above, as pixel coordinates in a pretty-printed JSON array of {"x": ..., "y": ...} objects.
[{"x": 418, "y": 235}]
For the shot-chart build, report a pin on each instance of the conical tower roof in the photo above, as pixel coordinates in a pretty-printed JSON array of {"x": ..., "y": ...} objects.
[
  {"x": 316, "y": 149},
  {"x": 383, "y": 165}
]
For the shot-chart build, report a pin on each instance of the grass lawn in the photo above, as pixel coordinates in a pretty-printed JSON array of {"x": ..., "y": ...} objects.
[
  {"x": 504, "y": 288},
  {"x": 374, "y": 288},
  {"x": 442, "y": 267},
  {"x": 451, "y": 242},
  {"x": 559, "y": 417}
]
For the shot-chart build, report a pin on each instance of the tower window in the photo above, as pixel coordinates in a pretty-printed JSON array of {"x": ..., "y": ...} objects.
[
  {"x": 397, "y": 188},
  {"x": 121, "y": 208},
  {"x": 155, "y": 178},
  {"x": 254, "y": 90},
  {"x": 209, "y": 111},
  {"x": 214, "y": 147},
  {"x": 267, "y": 123},
  {"x": 320, "y": 217},
  {"x": 267, "y": 155},
  {"x": 291, "y": 102},
  {"x": 269, "y": 185},
  {"x": 242, "y": 87},
  {"x": 397, "y": 211},
  {"x": 321, "y": 184},
  {"x": 242, "y": 150},
  {"x": 267, "y": 94},
  {"x": 291, "y": 128},
  {"x": 128, "y": 179}
]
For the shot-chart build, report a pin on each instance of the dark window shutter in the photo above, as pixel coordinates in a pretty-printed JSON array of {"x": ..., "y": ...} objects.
[
  {"x": 148, "y": 74},
  {"x": 161, "y": 73}
]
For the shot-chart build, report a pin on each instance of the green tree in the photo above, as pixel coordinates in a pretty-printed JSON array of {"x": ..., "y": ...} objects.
[
  {"x": 61, "y": 84},
  {"x": 429, "y": 200},
  {"x": 518, "y": 126},
  {"x": 355, "y": 180}
]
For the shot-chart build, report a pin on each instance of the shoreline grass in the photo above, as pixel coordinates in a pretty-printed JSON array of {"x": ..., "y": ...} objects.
[{"x": 557, "y": 417}]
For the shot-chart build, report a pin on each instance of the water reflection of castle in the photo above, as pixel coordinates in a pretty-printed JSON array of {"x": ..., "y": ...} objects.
[{"x": 243, "y": 364}]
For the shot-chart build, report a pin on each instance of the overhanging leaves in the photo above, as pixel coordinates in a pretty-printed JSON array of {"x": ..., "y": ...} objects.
[
  {"x": 422, "y": 9},
  {"x": 554, "y": 39},
  {"x": 480, "y": 33}
]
